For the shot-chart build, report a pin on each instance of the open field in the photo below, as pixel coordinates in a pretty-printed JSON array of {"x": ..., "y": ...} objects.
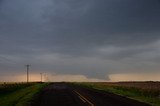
[
  {"x": 9, "y": 87},
  {"x": 18, "y": 94},
  {"x": 148, "y": 92},
  {"x": 80, "y": 94}
]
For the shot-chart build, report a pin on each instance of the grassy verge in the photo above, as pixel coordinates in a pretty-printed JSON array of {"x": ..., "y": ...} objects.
[
  {"x": 12, "y": 87},
  {"x": 21, "y": 97},
  {"x": 147, "y": 96}
]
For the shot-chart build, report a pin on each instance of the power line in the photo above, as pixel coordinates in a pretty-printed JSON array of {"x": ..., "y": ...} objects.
[{"x": 27, "y": 72}]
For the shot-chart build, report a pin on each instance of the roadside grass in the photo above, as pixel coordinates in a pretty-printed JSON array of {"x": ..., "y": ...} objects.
[
  {"x": 7, "y": 88},
  {"x": 149, "y": 96},
  {"x": 21, "y": 97}
]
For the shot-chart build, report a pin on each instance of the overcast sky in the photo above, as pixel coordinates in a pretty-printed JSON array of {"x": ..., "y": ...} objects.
[{"x": 95, "y": 39}]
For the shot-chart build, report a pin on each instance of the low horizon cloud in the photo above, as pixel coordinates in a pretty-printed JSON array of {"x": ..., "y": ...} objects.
[{"x": 46, "y": 77}]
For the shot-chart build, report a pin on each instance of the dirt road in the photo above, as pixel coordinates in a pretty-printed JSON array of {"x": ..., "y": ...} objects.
[{"x": 63, "y": 94}]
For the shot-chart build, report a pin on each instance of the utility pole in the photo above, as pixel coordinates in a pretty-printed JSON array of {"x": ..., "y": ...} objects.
[
  {"x": 28, "y": 72},
  {"x": 41, "y": 76}
]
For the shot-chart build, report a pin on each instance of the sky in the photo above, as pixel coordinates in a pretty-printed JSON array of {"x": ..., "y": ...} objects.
[{"x": 80, "y": 40}]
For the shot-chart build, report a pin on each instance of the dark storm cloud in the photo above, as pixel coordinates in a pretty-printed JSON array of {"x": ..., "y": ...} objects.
[{"x": 64, "y": 32}]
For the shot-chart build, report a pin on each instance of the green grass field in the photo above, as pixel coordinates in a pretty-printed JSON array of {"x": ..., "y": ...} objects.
[
  {"x": 148, "y": 95},
  {"x": 19, "y": 94}
]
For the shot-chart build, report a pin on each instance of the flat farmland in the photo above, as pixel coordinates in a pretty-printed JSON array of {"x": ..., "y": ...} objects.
[
  {"x": 148, "y": 92},
  {"x": 148, "y": 85},
  {"x": 80, "y": 94}
]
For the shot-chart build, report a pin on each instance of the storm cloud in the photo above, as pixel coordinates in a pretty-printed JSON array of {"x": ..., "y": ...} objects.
[{"x": 94, "y": 38}]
